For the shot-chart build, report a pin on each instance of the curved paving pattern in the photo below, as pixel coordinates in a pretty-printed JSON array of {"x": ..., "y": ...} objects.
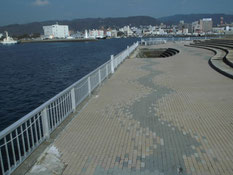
[{"x": 161, "y": 116}]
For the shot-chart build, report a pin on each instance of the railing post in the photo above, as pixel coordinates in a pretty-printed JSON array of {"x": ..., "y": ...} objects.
[
  {"x": 89, "y": 85},
  {"x": 127, "y": 50},
  {"x": 99, "y": 76},
  {"x": 73, "y": 99},
  {"x": 106, "y": 70},
  {"x": 45, "y": 122},
  {"x": 112, "y": 64},
  {"x": 2, "y": 166}
]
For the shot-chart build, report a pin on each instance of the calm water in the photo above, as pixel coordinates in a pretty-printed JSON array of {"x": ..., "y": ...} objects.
[{"x": 31, "y": 74}]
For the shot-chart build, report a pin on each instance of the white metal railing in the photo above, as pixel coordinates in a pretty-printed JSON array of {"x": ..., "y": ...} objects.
[
  {"x": 20, "y": 139},
  {"x": 152, "y": 42},
  {"x": 155, "y": 41}
]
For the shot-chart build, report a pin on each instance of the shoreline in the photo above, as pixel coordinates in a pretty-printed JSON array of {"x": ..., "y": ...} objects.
[{"x": 56, "y": 40}]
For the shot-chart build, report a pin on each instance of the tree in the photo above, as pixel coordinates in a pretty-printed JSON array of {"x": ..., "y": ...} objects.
[{"x": 120, "y": 34}]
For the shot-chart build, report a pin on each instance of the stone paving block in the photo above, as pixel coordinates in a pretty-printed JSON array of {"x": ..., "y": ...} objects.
[{"x": 153, "y": 116}]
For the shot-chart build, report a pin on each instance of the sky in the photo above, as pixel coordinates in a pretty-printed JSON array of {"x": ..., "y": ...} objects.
[{"x": 24, "y": 11}]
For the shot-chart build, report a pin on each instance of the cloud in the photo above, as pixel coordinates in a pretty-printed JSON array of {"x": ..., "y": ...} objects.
[{"x": 41, "y": 2}]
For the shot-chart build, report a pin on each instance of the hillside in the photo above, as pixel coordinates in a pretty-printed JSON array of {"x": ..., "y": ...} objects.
[
  {"x": 80, "y": 24},
  {"x": 97, "y": 23}
]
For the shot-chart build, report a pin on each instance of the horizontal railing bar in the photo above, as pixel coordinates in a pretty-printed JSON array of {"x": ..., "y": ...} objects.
[
  {"x": 18, "y": 134},
  {"x": 41, "y": 107}
]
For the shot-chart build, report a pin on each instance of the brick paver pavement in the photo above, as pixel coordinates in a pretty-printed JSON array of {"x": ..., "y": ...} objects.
[{"x": 155, "y": 116}]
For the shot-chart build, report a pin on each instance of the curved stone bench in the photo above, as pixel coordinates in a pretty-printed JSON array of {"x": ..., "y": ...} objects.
[
  {"x": 216, "y": 62},
  {"x": 228, "y": 47},
  {"x": 156, "y": 53},
  {"x": 173, "y": 51}
]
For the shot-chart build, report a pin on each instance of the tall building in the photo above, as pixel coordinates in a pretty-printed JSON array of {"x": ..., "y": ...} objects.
[
  {"x": 206, "y": 25},
  {"x": 86, "y": 34},
  {"x": 221, "y": 21},
  {"x": 56, "y": 31},
  {"x": 196, "y": 28}
]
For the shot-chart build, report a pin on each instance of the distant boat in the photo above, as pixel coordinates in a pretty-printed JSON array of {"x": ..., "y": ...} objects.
[{"x": 8, "y": 40}]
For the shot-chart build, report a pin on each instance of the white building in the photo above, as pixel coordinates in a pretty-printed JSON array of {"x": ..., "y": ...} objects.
[
  {"x": 96, "y": 34},
  {"x": 229, "y": 30},
  {"x": 126, "y": 30},
  {"x": 56, "y": 31},
  {"x": 196, "y": 28},
  {"x": 86, "y": 34},
  {"x": 114, "y": 33},
  {"x": 160, "y": 32},
  {"x": 218, "y": 30},
  {"x": 185, "y": 31},
  {"x": 109, "y": 33}
]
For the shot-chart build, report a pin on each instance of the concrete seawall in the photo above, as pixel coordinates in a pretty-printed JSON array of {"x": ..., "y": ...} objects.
[{"x": 56, "y": 40}]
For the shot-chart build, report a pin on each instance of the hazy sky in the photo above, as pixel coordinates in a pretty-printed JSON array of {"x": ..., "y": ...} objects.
[{"x": 23, "y": 11}]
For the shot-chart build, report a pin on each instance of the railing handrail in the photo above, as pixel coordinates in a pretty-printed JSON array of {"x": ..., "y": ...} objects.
[{"x": 179, "y": 38}]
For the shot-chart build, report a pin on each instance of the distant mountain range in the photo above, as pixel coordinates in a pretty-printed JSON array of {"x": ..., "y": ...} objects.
[
  {"x": 80, "y": 24},
  {"x": 96, "y": 23}
]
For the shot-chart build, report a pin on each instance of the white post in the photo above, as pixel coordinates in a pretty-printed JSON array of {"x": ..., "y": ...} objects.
[
  {"x": 127, "y": 50},
  {"x": 99, "y": 76},
  {"x": 112, "y": 64},
  {"x": 89, "y": 85},
  {"x": 73, "y": 99},
  {"x": 45, "y": 122},
  {"x": 106, "y": 70}
]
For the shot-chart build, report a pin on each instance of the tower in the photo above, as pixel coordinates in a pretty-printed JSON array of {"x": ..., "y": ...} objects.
[
  {"x": 86, "y": 34},
  {"x": 221, "y": 21}
]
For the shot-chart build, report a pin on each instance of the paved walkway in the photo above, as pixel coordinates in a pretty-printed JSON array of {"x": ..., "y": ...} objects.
[{"x": 155, "y": 116}]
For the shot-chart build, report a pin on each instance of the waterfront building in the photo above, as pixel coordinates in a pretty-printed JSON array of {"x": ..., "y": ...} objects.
[
  {"x": 182, "y": 22},
  {"x": 163, "y": 26},
  {"x": 56, "y": 31},
  {"x": 161, "y": 32},
  {"x": 206, "y": 25},
  {"x": 126, "y": 30},
  {"x": 218, "y": 30},
  {"x": 229, "y": 30},
  {"x": 109, "y": 33},
  {"x": 86, "y": 34},
  {"x": 188, "y": 26},
  {"x": 96, "y": 34},
  {"x": 185, "y": 31},
  {"x": 114, "y": 33},
  {"x": 181, "y": 25},
  {"x": 137, "y": 31},
  {"x": 196, "y": 28},
  {"x": 179, "y": 32},
  {"x": 77, "y": 35},
  {"x": 129, "y": 31}
]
